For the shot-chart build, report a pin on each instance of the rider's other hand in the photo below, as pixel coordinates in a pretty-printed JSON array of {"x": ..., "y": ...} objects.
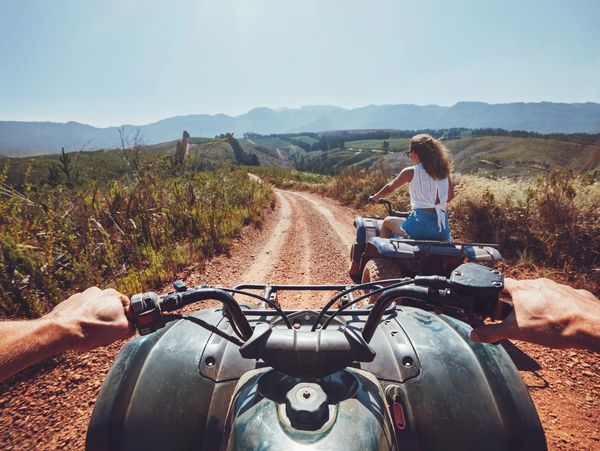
[
  {"x": 546, "y": 313},
  {"x": 372, "y": 199},
  {"x": 94, "y": 318}
]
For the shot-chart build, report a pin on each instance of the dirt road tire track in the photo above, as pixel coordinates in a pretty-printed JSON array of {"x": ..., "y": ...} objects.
[{"x": 304, "y": 239}]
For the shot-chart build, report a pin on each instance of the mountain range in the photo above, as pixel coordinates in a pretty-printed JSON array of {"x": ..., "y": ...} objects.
[{"x": 31, "y": 138}]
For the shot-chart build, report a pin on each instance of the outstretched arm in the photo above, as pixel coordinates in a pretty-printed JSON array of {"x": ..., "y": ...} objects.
[
  {"x": 404, "y": 177},
  {"x": 84, "y": 321},
  {"x": 450, "y": 189},
  {"x": 547, "y": 313}
]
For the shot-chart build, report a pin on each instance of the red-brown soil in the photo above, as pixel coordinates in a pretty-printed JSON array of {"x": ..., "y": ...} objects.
[{"x": 305, "y": 239}]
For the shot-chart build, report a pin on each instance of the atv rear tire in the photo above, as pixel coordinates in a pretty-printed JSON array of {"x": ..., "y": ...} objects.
[{"x": 380, "y": 269}]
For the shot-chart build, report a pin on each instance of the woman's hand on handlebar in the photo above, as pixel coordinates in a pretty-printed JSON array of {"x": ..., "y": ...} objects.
[
  {"x": 373, "y": 199},
  {"x": 547, "y": 313}
]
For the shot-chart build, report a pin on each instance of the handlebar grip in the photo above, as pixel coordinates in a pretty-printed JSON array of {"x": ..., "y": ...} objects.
[{"x": 147, "y": 308}]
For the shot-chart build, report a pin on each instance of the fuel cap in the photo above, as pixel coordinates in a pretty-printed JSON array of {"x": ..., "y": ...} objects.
[{"x": 306, "y": 406}]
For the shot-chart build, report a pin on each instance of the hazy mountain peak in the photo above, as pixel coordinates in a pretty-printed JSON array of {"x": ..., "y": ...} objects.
[{"x": 27, "y": 138}]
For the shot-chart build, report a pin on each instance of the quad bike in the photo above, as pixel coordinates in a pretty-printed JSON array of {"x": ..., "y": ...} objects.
[
  {"x": 401, "y": 374},
  {"x": 374, "y": 258}
]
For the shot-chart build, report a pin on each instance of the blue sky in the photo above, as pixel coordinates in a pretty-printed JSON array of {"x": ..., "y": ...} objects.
[{"x": 131, "y": 61}]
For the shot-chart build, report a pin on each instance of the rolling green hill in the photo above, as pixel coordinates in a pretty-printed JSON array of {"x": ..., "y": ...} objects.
[
  {"x": 488, "y": 155},
  {"x": 396, "y": 144},
  {"x": 506, "y": 156}
]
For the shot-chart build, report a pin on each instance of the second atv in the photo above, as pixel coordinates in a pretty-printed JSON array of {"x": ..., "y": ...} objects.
[{"x": 376, "y": 258}]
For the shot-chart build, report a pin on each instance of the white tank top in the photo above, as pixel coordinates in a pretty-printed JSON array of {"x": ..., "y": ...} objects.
[{"x": 425, "y": 191}]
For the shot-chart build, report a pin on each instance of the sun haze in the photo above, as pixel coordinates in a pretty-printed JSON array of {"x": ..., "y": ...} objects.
[{"x": 112, "y": 61}]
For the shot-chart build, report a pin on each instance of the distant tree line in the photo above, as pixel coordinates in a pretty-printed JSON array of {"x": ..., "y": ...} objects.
[
  {"x": 319, "y": 165},
  {"x": 338, "y": 139},
  {"x": 581, "y": 138}
]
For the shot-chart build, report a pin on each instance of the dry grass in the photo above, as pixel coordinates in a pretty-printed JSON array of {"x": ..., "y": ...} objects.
[{"x": 134, "y": 232}]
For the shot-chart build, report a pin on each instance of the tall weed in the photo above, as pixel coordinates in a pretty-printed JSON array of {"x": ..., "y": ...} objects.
[{"x": 134, "y": 232}]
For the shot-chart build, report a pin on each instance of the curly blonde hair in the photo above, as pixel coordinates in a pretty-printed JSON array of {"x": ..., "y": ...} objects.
[{"x": 436, "y": 159}]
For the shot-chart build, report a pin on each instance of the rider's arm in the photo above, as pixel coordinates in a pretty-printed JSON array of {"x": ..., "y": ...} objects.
[
  {"x": 404, "y": 177},
  {"x": 450, "y": 189},
  {"x": 84, "y": 321},
  {"x": 547, "y": 313}
]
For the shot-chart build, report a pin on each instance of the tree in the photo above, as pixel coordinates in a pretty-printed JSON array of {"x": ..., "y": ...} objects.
[
  {"x": 181, "y": 153},
  {"x": 67, "y": 166},
  {"x": 385, "y": 146},
  {"x": 241, "y": 156}
]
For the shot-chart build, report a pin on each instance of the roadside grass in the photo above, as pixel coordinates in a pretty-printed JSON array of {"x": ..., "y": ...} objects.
[
  {"x": 134, "y": 232},
  {"x": 286, "y": 178}
]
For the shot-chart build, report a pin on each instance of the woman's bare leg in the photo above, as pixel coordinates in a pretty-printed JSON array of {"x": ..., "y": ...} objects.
[{"x": 392, "y": 224}]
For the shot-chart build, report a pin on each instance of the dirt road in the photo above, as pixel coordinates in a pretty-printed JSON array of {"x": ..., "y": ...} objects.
[{"x": 305, "y": 239}]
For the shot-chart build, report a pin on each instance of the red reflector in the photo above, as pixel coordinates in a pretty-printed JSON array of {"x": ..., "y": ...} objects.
[
  {"x": 398, "y": 414},
  {"x": 144, "y": 320}
]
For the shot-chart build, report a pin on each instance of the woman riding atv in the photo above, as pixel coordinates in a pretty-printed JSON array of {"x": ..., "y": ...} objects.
[{"x": 430, "y": 188}]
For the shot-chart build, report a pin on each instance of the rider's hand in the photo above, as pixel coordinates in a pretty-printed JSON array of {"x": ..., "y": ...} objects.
[
  {"x": 373, "y": 200},
  {"x": 94, "y": 318},
  {"x": 547, "y": 313}
]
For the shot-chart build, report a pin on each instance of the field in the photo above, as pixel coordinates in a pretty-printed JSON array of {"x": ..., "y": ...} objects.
[
  {"x": 507, "y": 156},
  {"x": 396, "y": 145},
  {"x": 271, "y": 142}
]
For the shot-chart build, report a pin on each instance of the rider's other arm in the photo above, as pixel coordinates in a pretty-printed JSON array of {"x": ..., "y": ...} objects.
[
  {"x": 547, "y": 313},
  {"x": 84, "y": 321},
  {"x": 450, "y": 189},
  {"x": 403, "y": 178}
]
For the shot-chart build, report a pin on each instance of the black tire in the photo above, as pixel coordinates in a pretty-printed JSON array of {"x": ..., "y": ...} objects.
[{"x": 380, "y": 269}]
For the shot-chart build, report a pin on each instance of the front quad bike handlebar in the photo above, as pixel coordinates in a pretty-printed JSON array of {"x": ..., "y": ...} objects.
[
  {"x": 390, "y": 209},
  {"x": 471, "y": 291}
]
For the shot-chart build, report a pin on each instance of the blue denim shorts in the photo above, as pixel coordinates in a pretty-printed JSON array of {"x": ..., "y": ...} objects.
[{"x": 422, "y": 225}]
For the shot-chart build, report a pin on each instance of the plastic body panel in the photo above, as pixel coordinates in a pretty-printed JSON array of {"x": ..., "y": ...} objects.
[{"x": 173, "y": 390}]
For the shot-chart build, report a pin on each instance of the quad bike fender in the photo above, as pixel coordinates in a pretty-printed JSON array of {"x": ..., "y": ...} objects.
[
  {"x": 465, "y": 396},
  {"x": 482, "y": 253},
  {"x": 366, "y": 228},
  {"x": 168, "y": 390}
]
